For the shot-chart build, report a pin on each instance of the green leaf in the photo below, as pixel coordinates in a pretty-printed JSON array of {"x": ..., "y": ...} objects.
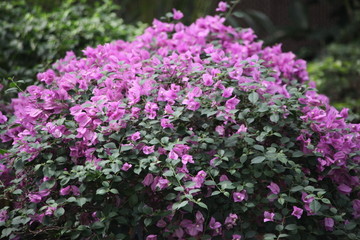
[
  {"x": 110, "y": 145},
  {"x": 179, "y": 189},
  {"x": 81, "y": 201},
  {"x": 215, "y": 193},
  {"x": 253, "y": 97},
  {"x": 315, "y": 206},
  {"x": 101, "y": 191},
  {"x": 296, "y": 189},
  {"x": 17, "y": 192},
  {"x": 269, "y": 236},
  {"x": 201, "y": 204},
  {"x": 59, "y": 212},
  {"x": 291, "y": 227},
  {"x": 257, "y": 160},
  {"x": 114, "y": 191},
  {"x": 147, "y": 221},
  {"x": 259, "y": 147},
  {"x": 274, "y": 117},
  {"x": 170, "y": 196},
  {"x": 98, "y": 225},
  {"x": 3, "y": 151},
  {"x": 179, "y": 205},
  {"x": 297, "y": 154}
]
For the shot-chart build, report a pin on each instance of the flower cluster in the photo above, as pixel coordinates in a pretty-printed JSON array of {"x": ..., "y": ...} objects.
[{"x": 188, "y": 131}]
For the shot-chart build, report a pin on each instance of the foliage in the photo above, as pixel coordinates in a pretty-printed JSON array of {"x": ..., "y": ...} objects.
[
  {"x": 188, "y": 132},
  {"x": 337, "y": 74},
  {"x": 30, "y": 38}
]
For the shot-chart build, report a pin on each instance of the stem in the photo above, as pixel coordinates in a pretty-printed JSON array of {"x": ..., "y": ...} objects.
[
  {"x": 232, "y": 9},
  {"x": 16, "y": 85}
]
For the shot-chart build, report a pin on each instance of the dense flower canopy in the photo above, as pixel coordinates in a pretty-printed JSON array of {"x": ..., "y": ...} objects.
[{"x": 186, "y": 131}]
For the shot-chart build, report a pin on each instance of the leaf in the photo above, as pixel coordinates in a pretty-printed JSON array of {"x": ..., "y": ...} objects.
[
  {"x": 259, "y": 147},
  {"x": 297, "y": 154},
  {"x": 101, "y": 191},
  {"x": 114, "y": 191},
  {"x": 98, "y": 225},
  {"x": 257, "y": 160},
  {"x": 291, "y": 227},
  {"x": 110, "y": 145},
  {"x": 179, "y": 189},
  {"x": 147, "y": 221},
  {"x": 126, "y": 148},
  {"x": 81, "y": 201},
  {"x": 253, "y": 97},
  {"x": 170, "y": 196},
  {"x": 296, "y": 189},
  {"x": 2, "y": 151},
  {"x": 215, "y": 193},
  {"x": 201, "y": 204},
  {"x": 179, "y": 205},
  {"x": 274, "y": 117},
  {"x": 59, "y": 212},
  {"x": 315, "y": 206}
]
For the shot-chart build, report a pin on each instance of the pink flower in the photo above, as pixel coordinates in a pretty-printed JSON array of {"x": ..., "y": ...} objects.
[
  {"x": 220, "y": 130},
  {"x": 356, "y": 208},
  {"x": 50, "y": 211},
  {"x": 269, "y": 216},
  {"x": 75, "y": 190},
  {"x": 173, "y": 155},
  {"x": 161, "y": 223},
  {"x": 199, "y": 178},
  {"x": 306, "y": 198},
  {"x": 151, "y": 237},
  {"x": 168, "y": 109},
  {"x": 136, "y": 136},
  {"x": 240, "y": 196},
  {"x": 187, "y": 159},
  {"x": 222, "y": 6},
  {"x": 241, "y": 129},
  {"x": 236, "y": 237},
  {"x": 231, "y": 103},
  {"x": 34, "y": 197},
  {"x": 83, "y": 119},
  {"x": 227, "y": 92},
  {"x": 216, "y": 226},
  {"x": 150, "y": 109},
  {"x": 3, "y": 118},
  {"x": 148, "y": 180},
  {"x": 207, "y": 79},
  {"x": 297, "y": 212},
  {"x": 148, "y": 150},
  {"x": 329, "y": 224},
  {"x": 165, "y": 123},
  {"x": 162, "y": 183},
  {"x": 126, "y": 167},
  {"x": 345, "y": 189},
  {"x": 3, "y": 215},
  {"x": 177, "y": 14},
  {"x": 274, "y": 188},
  {"x": 230, "y": 220},
  {"x": 65, "y": 191}
]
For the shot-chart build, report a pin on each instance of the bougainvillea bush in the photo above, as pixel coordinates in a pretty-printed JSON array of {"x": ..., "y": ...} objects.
[{"x": 187, "y": 132}]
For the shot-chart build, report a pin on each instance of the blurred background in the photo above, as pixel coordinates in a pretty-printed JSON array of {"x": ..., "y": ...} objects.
[{"x": 326, "y": 33}]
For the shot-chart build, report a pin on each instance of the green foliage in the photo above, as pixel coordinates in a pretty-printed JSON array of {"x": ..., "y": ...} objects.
[
  {"x": 337, "y": 75},
  {"x": 31, "y": 38}
]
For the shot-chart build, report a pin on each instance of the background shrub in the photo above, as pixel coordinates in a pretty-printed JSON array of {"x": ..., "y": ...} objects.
[
  {"x": 31, "y": 38},
  {"x": 337, "y": 74}
]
